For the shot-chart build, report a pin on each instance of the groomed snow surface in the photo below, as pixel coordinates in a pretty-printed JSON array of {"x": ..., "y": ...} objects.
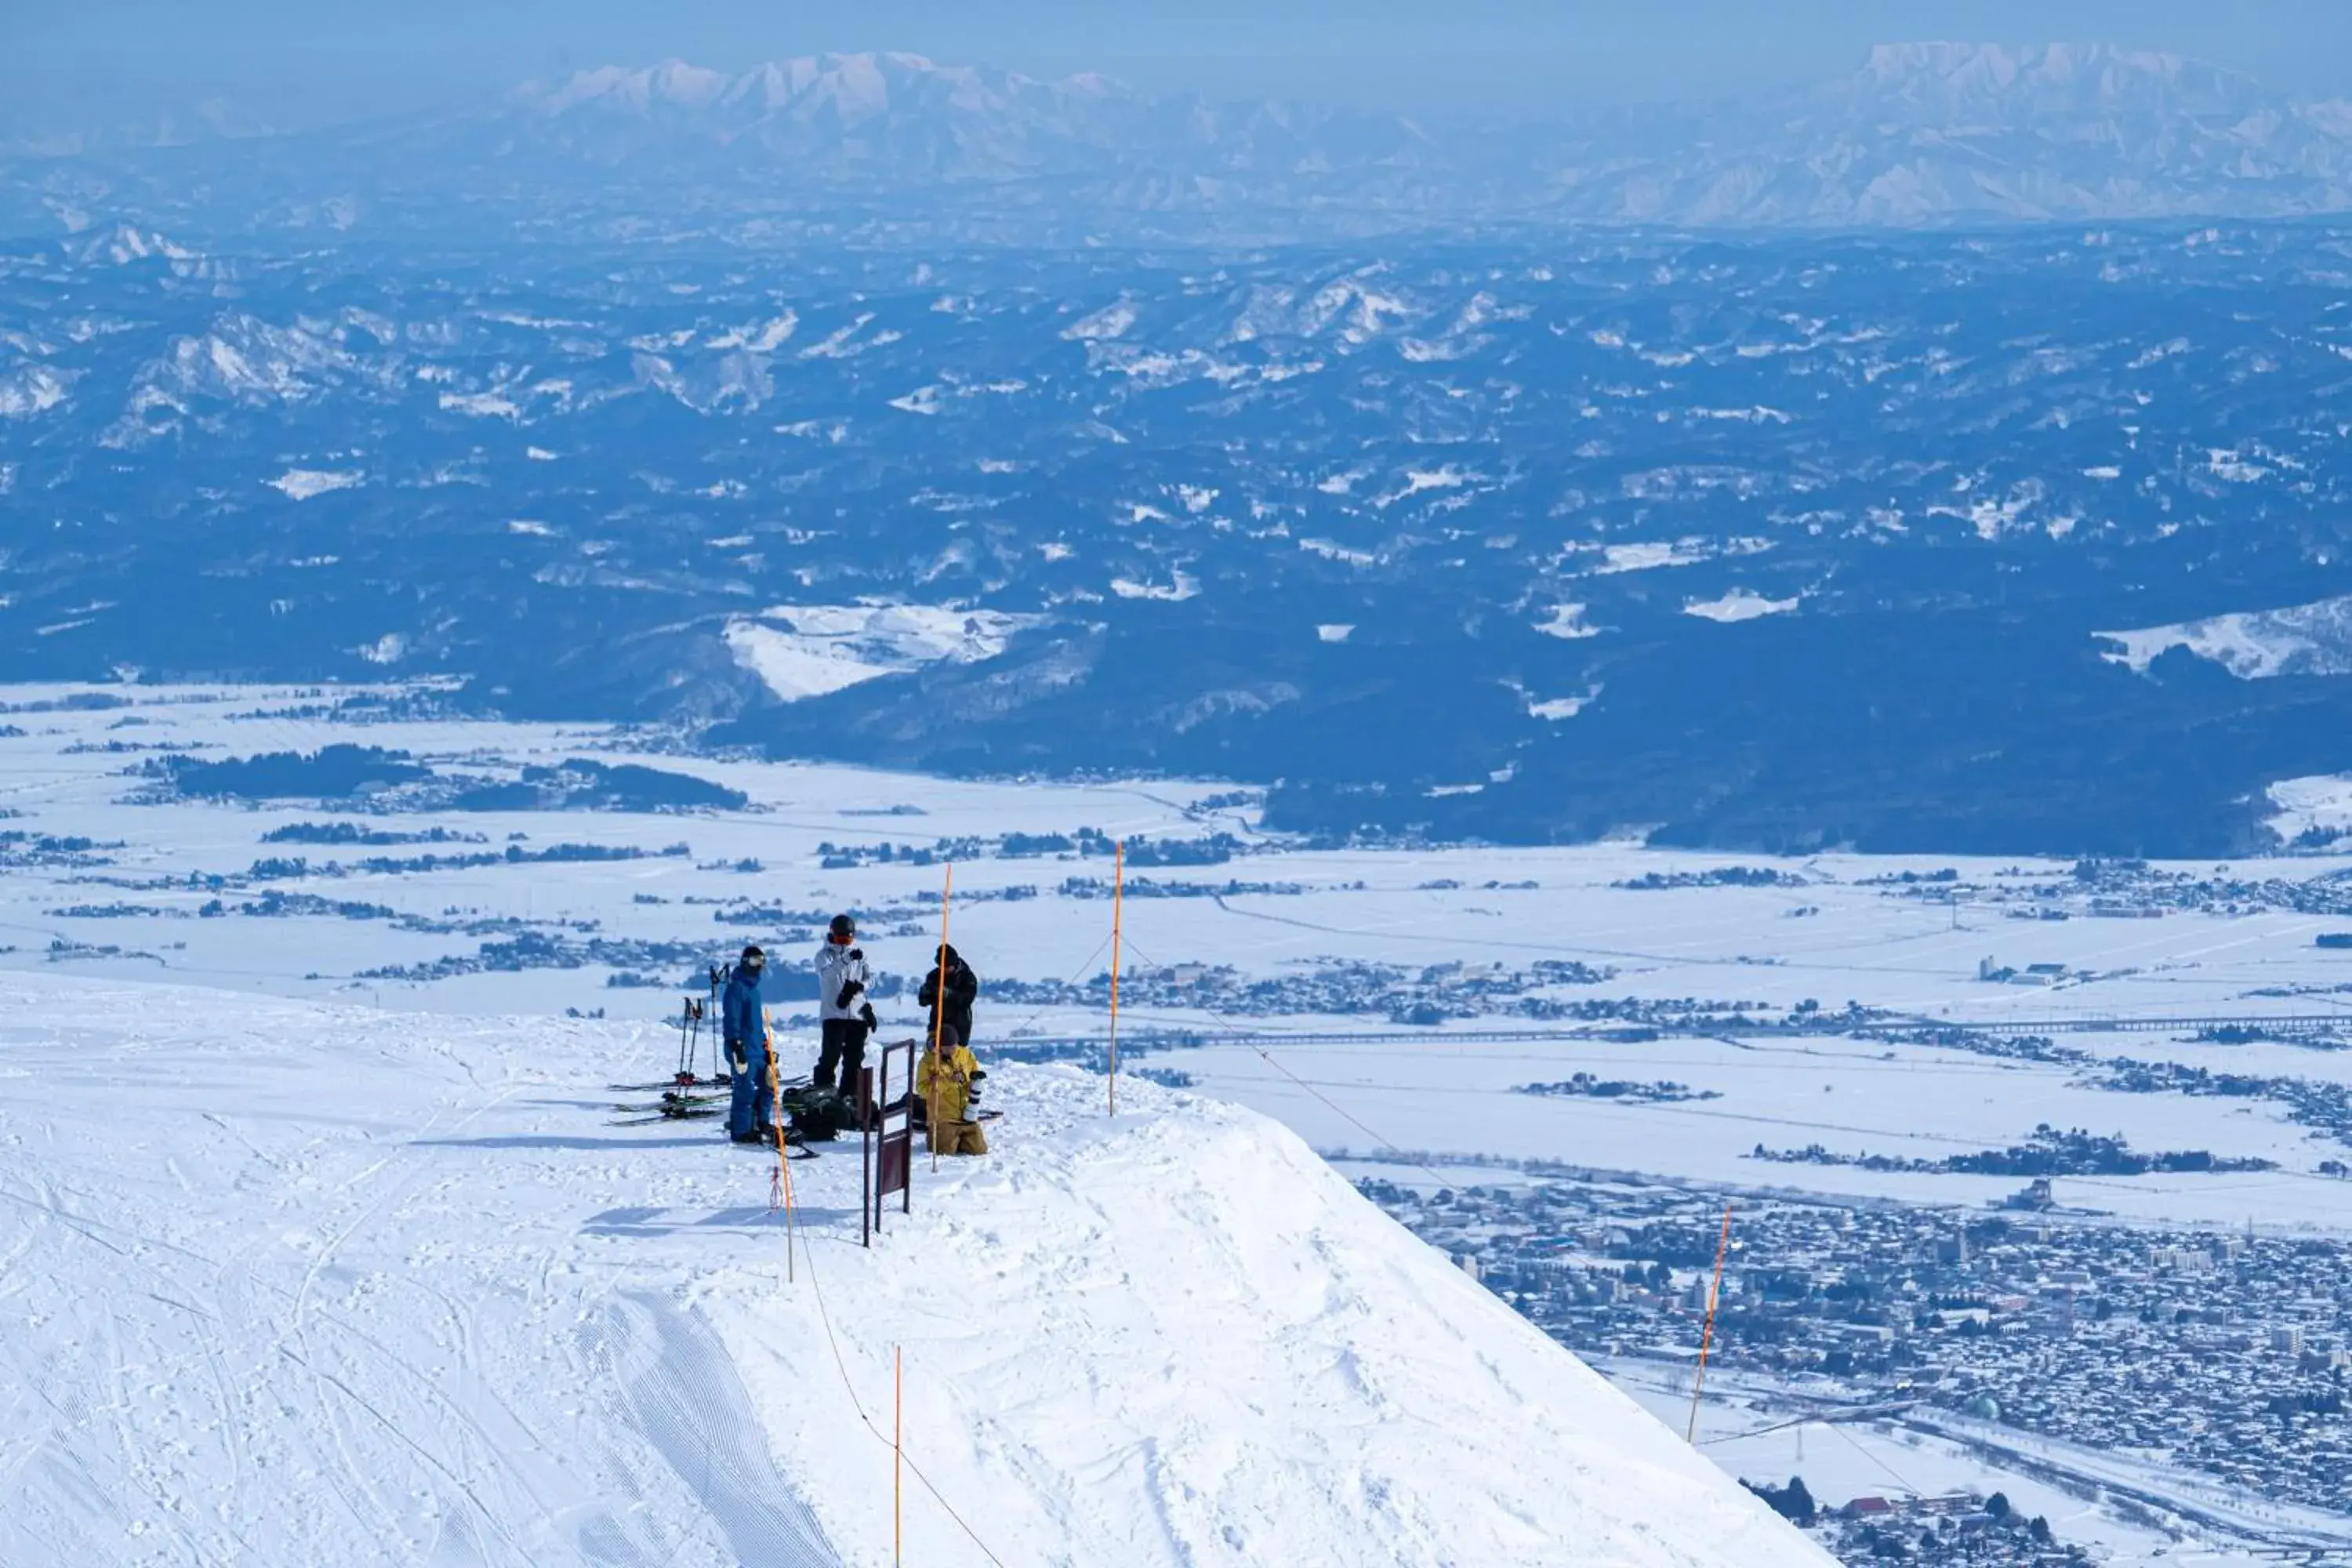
[{"x": 288, "y": 1284}]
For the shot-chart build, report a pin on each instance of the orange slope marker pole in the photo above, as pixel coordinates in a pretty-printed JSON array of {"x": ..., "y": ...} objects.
[
  {"x": 1118, "y": 909},
  {"x": 938, "y": 1018},
  {"x": 1706, "y": 1335},
  {"x": 776, "y": 1176},
  {"x": 898, "y": 1441}
]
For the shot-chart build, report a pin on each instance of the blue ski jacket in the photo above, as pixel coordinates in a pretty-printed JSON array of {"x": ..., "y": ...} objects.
[{"x": 740, "y": 1017}]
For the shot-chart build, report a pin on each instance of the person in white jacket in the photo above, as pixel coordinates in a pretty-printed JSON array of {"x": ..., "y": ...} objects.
[{"x": 845, "y": 1011}]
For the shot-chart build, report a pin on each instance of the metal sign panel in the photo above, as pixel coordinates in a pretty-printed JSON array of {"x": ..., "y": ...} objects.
[{"x": 887, "y": 1122}]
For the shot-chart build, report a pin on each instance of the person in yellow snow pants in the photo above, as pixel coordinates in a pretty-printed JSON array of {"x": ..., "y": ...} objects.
[{"x": 943, "y": 1081}]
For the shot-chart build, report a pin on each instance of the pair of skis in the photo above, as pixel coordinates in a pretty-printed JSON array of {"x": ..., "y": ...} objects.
[
  {"x": 678, "y": 1105},
  {"x": 686, "y": 1085},
  {"x": 675, "y": 1105}
]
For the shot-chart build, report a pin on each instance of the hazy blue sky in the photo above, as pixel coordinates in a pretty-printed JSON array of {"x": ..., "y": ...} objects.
[{"x": 1422, "y": 56}]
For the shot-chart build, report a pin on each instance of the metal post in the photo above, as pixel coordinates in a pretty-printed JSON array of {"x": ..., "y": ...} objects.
[{"x": 866, "y": 1206}]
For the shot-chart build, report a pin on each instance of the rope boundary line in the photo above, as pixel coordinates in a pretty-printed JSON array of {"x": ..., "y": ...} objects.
[{"x": 840, "y": 1366}]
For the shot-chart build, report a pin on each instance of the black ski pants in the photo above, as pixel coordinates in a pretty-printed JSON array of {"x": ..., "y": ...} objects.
[{"x": 843, "y": 1052}]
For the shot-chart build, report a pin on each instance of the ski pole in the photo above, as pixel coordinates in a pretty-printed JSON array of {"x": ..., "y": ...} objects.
[{"x": 711, "y": 1010}]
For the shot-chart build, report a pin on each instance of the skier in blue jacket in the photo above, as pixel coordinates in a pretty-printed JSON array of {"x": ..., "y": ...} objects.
[{"x": 743, "y": 1023}]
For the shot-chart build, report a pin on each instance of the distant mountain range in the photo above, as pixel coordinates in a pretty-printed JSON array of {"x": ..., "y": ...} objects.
[{"x": 1922, "y": 135}]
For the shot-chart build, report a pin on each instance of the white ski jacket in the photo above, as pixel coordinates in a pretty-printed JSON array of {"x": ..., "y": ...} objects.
[{"x": 836, "y": 967}]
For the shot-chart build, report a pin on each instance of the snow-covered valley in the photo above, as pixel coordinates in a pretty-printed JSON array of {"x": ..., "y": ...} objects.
[{"x": 288, "y": 971}]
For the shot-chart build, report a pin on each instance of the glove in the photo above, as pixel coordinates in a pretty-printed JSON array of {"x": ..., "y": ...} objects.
[
  {"x": 979, "y": 1073},
  {"x": 857, "y": 955},
  {"x": 736, "y": 1060},
  {"x": 849, "y": 988},
  {"x": 866, "y": 1013}
]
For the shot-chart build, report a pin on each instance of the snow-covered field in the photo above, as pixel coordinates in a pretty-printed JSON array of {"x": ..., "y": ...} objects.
[
  {"x": 130, "y": 905},
  {"x": 295, "y": 1284},
  {"x": 446, "y": 916}
]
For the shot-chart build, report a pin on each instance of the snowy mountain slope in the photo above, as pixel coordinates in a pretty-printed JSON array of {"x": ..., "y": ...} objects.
[
  {"x": 1249, "y": 1368},
  {"x": 808, "y": 650},
  {"x": 898, "y": 116},
  {"x": 301, "y": 1285},
  {"x": 1931, "y": 131},
  {"x": 2252, "y": 645},
  {"x": 1082, "y": 509}
]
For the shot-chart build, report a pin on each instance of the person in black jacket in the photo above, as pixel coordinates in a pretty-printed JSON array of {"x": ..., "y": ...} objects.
[
  {"x": 952, "y": 1030},
  {"x": 962, "y": 987}
]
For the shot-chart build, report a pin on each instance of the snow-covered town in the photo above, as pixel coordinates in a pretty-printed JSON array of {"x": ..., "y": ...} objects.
[{"x": 2036, "y": 1320}]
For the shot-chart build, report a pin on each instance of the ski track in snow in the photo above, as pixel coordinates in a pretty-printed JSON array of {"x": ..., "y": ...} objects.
[
  {"x": 341, "y": 1335},
  {"x": 293, "y": 1284}
]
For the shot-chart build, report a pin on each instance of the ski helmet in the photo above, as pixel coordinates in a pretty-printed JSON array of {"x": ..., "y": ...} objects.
[
  {"x": 752, "y": 955},
  {"x": 844, "y": 928}
]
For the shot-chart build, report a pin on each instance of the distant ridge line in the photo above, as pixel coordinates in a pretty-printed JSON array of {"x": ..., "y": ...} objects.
[{"x": 2278, "y": 1023}]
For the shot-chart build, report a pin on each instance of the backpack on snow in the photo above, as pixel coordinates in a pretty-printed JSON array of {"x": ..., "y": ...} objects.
[{"x": 819, "y": 1115}]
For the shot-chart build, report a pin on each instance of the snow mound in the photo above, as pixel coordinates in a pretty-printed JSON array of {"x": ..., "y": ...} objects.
[
  {"x": 809, "y": 650},
  {"x": 301, "y": 484},
  {"x": 1740, "y": 605},
  {"x": 324, "y": 1286},
  {"x": 1179, "y": 1337},
  {"x": 1567, "y": 623}
]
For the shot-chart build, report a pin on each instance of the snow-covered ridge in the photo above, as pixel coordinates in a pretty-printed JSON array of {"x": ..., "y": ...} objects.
[
  {"x": 2320, "y": 806},
  {"x": 2252, "y": 645},
  {"x": 408, "y": 1260},
  {"x": 850, "y": 86},
  {"x": 1965, "y": 78}
]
